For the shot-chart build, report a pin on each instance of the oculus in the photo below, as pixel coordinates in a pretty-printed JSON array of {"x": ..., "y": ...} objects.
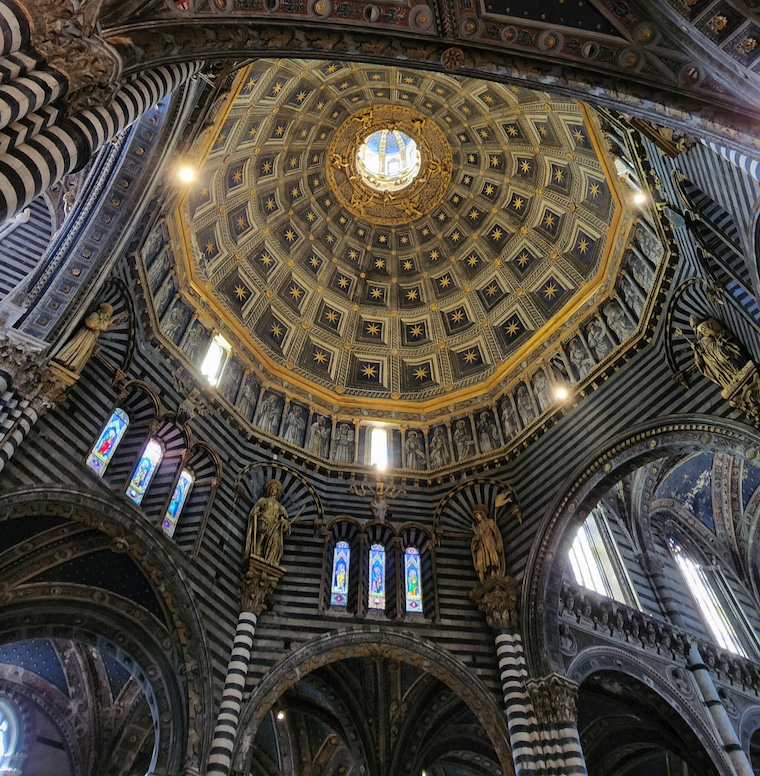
[{"x": 388, "y": 160}]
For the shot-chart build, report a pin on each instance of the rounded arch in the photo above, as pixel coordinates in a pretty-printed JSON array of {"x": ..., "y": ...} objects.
[
  {"x": 376, "y": 642},
  {"x": 676, "y": 692},
  {"x": 188, "y": 700},
  {"x": 673, "y": 435}
]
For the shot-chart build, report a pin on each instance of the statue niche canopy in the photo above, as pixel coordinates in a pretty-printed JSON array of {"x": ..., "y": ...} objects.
[{"x": 490, "y": 220}]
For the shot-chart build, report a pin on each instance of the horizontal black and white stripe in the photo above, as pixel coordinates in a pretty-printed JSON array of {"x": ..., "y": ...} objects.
[
  {"x": 17, "y": 64},
  {"x": 16, "y": 419},
  {"x": 28, "y": 93},
  {"x": 34, "y": 166},
  {"x": 24, "y": 129},
  {"x": 225, "y": 732},
  {"x": 14, "y": 28},
  {"x": 742, "y": 161}
]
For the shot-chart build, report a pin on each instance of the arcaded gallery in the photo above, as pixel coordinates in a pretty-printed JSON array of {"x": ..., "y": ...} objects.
[{"x": 379, "y": 388}]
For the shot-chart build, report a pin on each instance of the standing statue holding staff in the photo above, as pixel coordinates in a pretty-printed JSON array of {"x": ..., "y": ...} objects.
[{"x": 267, "y": 525}]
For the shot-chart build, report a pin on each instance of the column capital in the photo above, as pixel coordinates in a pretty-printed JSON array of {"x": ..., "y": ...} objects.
[
  {"x": 650, "y": 563},
  {"x": 258, "y": 583},
  {"x": 32, "y": 377},
  {"x": 554, "y": 699},
  {"x": 497, "y": 599}
]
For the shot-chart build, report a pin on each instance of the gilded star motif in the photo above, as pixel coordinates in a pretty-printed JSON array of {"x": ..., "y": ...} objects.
[
  {"x": 420, "y": 373},
  {"x": 241, "y": 292}
]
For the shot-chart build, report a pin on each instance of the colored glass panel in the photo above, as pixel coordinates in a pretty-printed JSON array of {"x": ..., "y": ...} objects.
[
  {"x": 144, "y": 471},
  {"x": 339, "y": 589},
  {"x": 413, "y": 579},
  {"x": 377, "y": 577},
  {"x": 105, "y": 447},
  {"x": 181, "y": 492}
]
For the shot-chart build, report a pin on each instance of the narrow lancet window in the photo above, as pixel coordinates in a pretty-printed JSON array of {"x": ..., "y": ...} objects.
[
  {"x": 215, "y": 359},
  {"x": 103, "y": 450},
  {"x": 413, "y": 579},
  {"x": 144, "y": 471},
  {"x": 709, "y": 605},
  {"x": 377, "y": 577},
  {"x": 179, "y": 496},
  {"x": 339, "y": 588},
  {"x": 378, "y": 449}
]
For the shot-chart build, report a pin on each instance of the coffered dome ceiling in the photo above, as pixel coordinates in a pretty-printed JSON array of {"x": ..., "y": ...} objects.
[{"x": 418, "y": 295}]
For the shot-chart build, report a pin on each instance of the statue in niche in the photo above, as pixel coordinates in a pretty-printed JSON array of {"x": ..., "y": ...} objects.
[
  {"x": 631, "y": 295},
  {"x": 579, "y": 358},
  {"x": 717, "y": 353},
  {"x": 488, "y": 434},
  {"x": 295, "y": 423},
  {"x": 162, "y": 295},
  {"x": 318, "y": 440},
  {"x": 77, "y": 351},
  {"x": 617, "y": 321},
  {"x": 229, "y": 382},
  {"x": 508, "y": 420},
  {"x": 641, "y": 271},
  {"x": 525, "y": 406},
  {"x": 157, "y": 269},
  {"x": 175, "y": 321},
  {"x": 440, "y": 454},
  {"x": 267, "y": 525},
  {"x": 463, "y": 440},
  {"x": 246, "y": 399},
  {"x": 487, "y": 545},
  {"x": 542, "y": 390},
  {"x": 415, "y": 451},
  {"x": 598, "y": 340},
  {"x": 269, "y": 414},
  {"x": 343, "y": 447},
  {"x": 193, "y": 342}
]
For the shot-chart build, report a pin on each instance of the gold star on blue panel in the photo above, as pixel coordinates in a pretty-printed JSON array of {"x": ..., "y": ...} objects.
[
  {"x": 463, "y": 137},
  {"x": 407, "y": 265},
  {"x": 495, "y": 161},
  {"x": 267, "y": 166},
  {"x": 330, "y": 317},
  {"x": 250, "y": 133},
  {"x": 371, "y": 330},
  {"x": 551, "y": 294},
  {"x": 294, "y": 191},
  {"x": 201, "y": 194},
  {"x": 332, "y": 67},
  {"x": 418, "y": 375},
  {"x": 579, "y": 136},
  {"x": 403, "y": 240},
  {"x": 238, "y": 291},
  {"x": 317, "y": 182},
  {"x": 239, "y": 221},
  {"x": 518, "y": 205},
  {"x": 299, "y": 96},
  {"x": 466, "y": 109},
  {"x": 522, "y": 261},
  {"x": 545, "y": 132},
  {"x": 435, "y": 254},
  {"x": 224, "y": 135},
  {"x": 279, "y": 130},
  {"x": 353, "y": 254},
  {"x": 550, "y": 223},
  {"x": 491, "y": 294},
  {"x": 375, "y": 294},
  {"x": 490, "y": 99},
  {"x": 410, "y": 296},
  {"x": 444, "y": 284},
  {"x": 272, "y": 330},
  {"x": 456, "y": 236},
  {"x": 473, "y": 263},
  {"x": 268, "y": 204},
  {"x": 471, "y": 158},
  {"x": 289, "y": 236},
  {"x": 383, "y": 239},
  {"x": 408, "y": 79},
  {"x": 250, "y": 84},
  {"x": 597, "y": 193},
  {"x": 456, "y": 319},
  {"x": 583, "y": 247},
  {"x": 512, "y": 329},
  {"x": 316, "y": 356},
  {"x": 208, "y": 244},
  {"x": 490, "y": 190},
  {"x": 330, "y": 239},
  {"x": 368, "y": 371},
  {"x": 512, "y": 131},
  {"x": 441, "y": 217},
  {"x": 379, "y": 264},
  {"x": 472, "y": 216},
  {"x": 468, "y": 359},
  {"x": 341, "y": 282},
  {"x": 415, "y": 332},
  {"x": 277, "y": 88},
  {"x": 497, "y": 235},
  {"x": 264, "y": 261},
  {"x": 467, "y": 179},
  {"x": 457, "y": 199},
  {"x": 313, "y": 263},
  {"x": 559, "y": 176},
  {"x": 525, "y": 166},
  {"x": 314, "y": 159},
  {"x": 235, "y": 176},
  {"x": 293, "y": 162},
  {"x": 293, "y": 293}
]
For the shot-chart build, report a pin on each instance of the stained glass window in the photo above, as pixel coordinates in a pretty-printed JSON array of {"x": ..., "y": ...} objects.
[
  {"x": 413, "y": 579},
  {"x": 144, "y": 471},
  {"x": 181, "y": 492},
  {"x": 339, "y": 589},
  {"x": 105, "y": 447},
  {"x": 377, "y": 576},
  {"x": 9, "y": 732},
  {"x": 709, "y": 605}
]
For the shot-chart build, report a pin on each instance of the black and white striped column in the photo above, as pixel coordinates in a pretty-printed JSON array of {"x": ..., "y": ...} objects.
[
  {"x": 258, "y": 584},
  {"x": 31, "y": 167},
  {"x": 742, "y": 161},
  {"x": 226, "y": 729},
  {"x": 14, "y": 28}
]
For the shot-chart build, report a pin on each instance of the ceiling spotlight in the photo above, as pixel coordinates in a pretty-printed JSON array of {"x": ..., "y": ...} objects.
[
  {"x": 560, "y": 392},
  {"x": 639, "y": 198},
  {"x": 280, "y": 716},
  {"x": 186, "y": 174}
]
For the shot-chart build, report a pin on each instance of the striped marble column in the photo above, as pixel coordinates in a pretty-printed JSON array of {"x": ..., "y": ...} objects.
[
  {"x": 745, "y": 163},
  {"x": 259, "y": 582},
  {"x": 14, "y": 28},
  {"x": 31, "y": 167}
]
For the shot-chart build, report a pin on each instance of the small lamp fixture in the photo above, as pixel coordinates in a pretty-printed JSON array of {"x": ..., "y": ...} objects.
[
  {"x": 186, "y": 174},
  {"x": 560, "y": 393},
  {"x": 280, "y": 716},
  {"x": 639, "y": 198}
]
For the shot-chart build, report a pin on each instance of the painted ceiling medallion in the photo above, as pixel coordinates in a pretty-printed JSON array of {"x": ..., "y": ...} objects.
[{"x": 383, "y": 196}]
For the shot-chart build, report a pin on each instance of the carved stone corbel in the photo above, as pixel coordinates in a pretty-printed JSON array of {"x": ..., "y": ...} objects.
[
  {"x": 65, "y": 36},
  {"x": 497, "y": 599},
  {"x": 554, "y": 699},
  {"x": 258, "y": 584}
]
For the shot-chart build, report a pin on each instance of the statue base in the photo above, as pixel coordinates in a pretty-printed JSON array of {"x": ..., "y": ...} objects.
[
  {"x": 63, "y": 375},
  {"x": 497, "y": 599},
  {"x": 743, "y": 392},
  {"x": 258, "y": 584}
]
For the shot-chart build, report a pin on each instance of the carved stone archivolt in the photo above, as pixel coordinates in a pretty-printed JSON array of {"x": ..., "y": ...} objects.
[
  {"x": 390, "y": 208},
  {"x": 258, "y": 584},
  {"x": 497, "y": 599},
  {"x": 554, "y": 699}
]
